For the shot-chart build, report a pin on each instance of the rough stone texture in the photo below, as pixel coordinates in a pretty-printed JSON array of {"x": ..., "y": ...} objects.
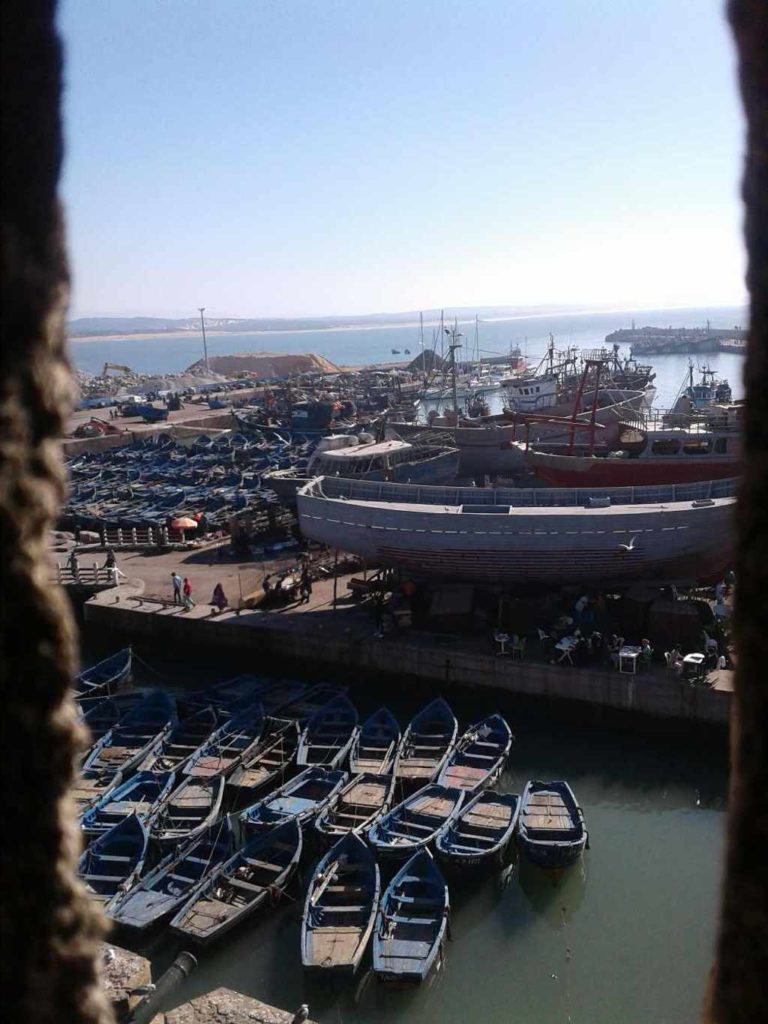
[
  {"x": 223, "y": 1006},
  {"x": 739, "y": 988},
  {"x": 122, "y": 973},
  {"x": 49, "y": 928}
]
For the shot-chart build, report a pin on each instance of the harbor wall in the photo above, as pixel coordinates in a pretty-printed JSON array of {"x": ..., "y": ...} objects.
[{"x": 406, "y": 655}]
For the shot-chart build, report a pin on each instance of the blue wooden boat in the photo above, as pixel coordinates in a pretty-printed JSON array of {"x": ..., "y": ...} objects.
[
  {"x": 340, "y": 908},
  {"x": 361, "y": 802},
  {"x": 223, "y": 697},
  {"x": 412, "y": 923},
  {"x": 178, "y": 745},
  {"x": 226, "y": 748},
  {"x": 427, "y": 742},
  {"x": 141, "y": 796},
  {"x": 111, "y": 865},
  {"x": 255, "y": 877},
  {"x": 126, "y": 744},
  {"x": 479, "y": 757},
  {"x": 303, "y": 707},
  {"x": 303, "y": 798},
  {"x": 480, "y": 834},
  {"x": 268, "y": 762},
  {"x": 552, "y": 833},
  {"x": 416, "y": 822},
  {"x": 105, "y": 677},
  {"x": 187, "y": 811},
  {"x": 170, "y": 884},
  {"x": 100, "y": 714},
  {"x": 328, "y": 735},
  {"x": 375, "y": 746}
]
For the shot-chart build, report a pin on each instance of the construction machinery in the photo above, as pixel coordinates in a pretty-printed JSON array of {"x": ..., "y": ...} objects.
[{"x": 115, "y": 366}]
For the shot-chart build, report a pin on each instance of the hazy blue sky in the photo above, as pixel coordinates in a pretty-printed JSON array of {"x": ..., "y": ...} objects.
[{"x": 342, "y": 156}]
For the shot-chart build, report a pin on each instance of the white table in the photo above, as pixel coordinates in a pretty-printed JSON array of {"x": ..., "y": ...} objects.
[
  {"x": 628, "y": 660},
  {"x": 566, "y": 647},
  {"x": 696, "y": 663},
  {"x": 502, "y": 639}
]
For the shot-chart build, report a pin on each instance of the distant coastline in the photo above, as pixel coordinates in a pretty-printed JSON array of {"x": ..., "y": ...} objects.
[{"x": 346, "y": 324}]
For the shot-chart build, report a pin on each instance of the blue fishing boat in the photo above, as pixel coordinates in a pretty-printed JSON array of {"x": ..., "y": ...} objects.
[
  {"x": 100, "y": 714},
  {"x": 427, "y": 742},
  {"x": 303, "y": 798},
  {"x": 188, "y": 811},
  {"x": 226, "y": 748},
  {"x": 311, "y": 701},
  {"x": 269, "y": 761},
  {"x": 361, "y": 802},
  {"x": 416, "y": 822},
  {"x": 223, "y": 697},
  {"x": 340, "y": 908},
  {"x": 111, "y": 864},
  {"x": 126, "y": 744},
  {"x": 141, "y": 796},
  {"x": 480, "y": 834},
  {"x": 329, "y": 735},
  {"x": 170, "y": 884},
  {"x": 178, "y": 745},
  {"x": 412, "y": 923},
  {"x": 105, "y": 677},
  {"x": 255, "y": 877},
  {"x": 373, "y": 751},
  {"x": 479, "y": 757},
  {"x": 552, "y": 833}
]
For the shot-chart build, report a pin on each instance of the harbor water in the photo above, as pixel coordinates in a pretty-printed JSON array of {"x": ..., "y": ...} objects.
[
  {"x": 353, "y": 347},
  {"x": 624, "y": 937}
]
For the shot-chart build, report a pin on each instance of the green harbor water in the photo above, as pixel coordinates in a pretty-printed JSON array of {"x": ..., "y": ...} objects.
[{"x": 625, "y": 937}]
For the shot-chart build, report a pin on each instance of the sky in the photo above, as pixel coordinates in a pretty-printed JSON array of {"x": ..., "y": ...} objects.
[{"x": 309, "y": 157}]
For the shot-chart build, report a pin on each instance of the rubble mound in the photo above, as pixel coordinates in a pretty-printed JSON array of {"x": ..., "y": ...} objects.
[{"x": 266, "y": 364}]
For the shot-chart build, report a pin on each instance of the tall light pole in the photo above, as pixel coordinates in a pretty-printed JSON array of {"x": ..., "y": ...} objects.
[{"x": 205, "y": 344}]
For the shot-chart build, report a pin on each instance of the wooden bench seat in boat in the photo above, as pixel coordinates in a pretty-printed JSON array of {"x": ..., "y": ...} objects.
[{"x": 240, "y": 883}]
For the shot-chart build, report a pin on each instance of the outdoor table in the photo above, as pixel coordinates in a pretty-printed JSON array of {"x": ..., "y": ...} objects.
[
  {"x": 628, "y": 660},
  {"x": 502, "y": 639},
  {"x": 565, "y": 647},
  {"x": 693, "y": 664}
]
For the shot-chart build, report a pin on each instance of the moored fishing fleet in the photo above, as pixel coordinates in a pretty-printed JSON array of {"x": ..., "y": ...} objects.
[{"x": 386, "y": 819}]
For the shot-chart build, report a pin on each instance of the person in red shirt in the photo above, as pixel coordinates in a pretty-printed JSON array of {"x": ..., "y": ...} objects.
[{"x": 187, "y": 592}]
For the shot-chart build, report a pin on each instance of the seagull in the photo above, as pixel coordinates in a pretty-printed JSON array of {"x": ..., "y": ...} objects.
[
  {"x": 301, "y": 1014},
  {"x": 631, "y": 545}
]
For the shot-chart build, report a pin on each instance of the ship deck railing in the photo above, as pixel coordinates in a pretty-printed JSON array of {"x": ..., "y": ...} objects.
[{"x": 474, "y": 497}]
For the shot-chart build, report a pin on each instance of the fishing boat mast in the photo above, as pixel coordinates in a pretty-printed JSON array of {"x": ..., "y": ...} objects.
[{"x": 454, "y": 334}]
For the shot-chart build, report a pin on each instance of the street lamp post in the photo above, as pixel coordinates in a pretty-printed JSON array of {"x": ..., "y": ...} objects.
[{"x": 205, "y": 344}]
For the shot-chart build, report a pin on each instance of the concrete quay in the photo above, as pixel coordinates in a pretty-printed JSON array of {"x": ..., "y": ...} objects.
[{"x": 314, "y": 638}]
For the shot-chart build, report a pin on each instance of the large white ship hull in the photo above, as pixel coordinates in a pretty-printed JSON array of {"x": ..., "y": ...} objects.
[{"x": 684, "y": 533}]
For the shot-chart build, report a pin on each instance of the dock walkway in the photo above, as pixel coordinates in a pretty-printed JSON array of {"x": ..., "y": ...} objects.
[{"x": 314, "y": 636}]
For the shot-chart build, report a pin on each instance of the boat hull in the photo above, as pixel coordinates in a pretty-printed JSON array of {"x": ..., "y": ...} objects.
[
  {"x": 583, "y": 471},
  {"x": 685, "y": 535},
  {"x": 545, "y": 856}
]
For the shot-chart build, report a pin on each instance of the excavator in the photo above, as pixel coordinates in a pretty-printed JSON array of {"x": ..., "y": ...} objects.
[{"x": 115, "y": 366}]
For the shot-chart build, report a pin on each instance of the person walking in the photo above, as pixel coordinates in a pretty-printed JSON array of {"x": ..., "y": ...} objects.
[
  {"x": 177, "y": 585},
  {"x": 187, "y": 592},
  {"x": 219, "y": 598},
  {"x": 305, "y": 586}
]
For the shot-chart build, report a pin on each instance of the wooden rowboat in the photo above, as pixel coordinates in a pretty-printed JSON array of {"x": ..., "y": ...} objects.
[
  {"x": 356, "y": 807},
  {"x": 268, "y": 762},
  {"x": 188, "y": 811},
  {"x": 480, "y": 834},
  {"x": 416, "y": 822},
  {"x": 225, "y": 749},
  {"x": 340, "y": 908},
  {"x": 181, "y": 743},
  {"x": 552, "y": 832},
  {"x": 255, "y": 877},
  {"x": 104, "y": 678},
  {"x": 141, "y": 796},
  {"x": 373, "y": 752},
  {"x": 412, "y": 923},
  {"x": 427, "y": 742},
  {"x": 329, "y": 735},
  {"x": 111, "y": 865},
  {"x": 479, "y": 757}
]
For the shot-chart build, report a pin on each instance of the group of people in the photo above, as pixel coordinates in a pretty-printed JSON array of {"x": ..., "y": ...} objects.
[{"x": 182, "y": 594}]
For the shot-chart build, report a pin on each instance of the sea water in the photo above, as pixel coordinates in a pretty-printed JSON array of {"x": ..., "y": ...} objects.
[{"x": 354, "y": 347}]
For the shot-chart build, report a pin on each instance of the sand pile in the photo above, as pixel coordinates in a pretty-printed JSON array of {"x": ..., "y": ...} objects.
[{"x": 266, "y": 364}]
